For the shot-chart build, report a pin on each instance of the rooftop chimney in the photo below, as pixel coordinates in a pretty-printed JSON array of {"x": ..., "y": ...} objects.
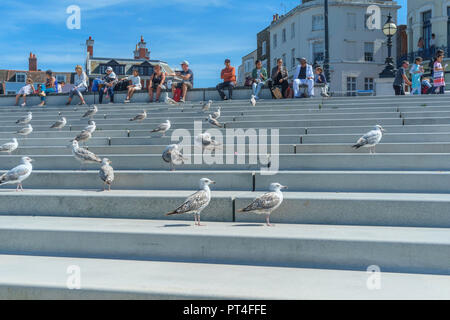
[
  {"x": 32, "y": 62},
  {"x": 141, "y": 51},
  {"x": 90, "y": 46}
]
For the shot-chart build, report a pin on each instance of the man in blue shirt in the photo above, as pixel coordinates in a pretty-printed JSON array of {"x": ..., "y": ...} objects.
[{"x": 187, "y": 80}]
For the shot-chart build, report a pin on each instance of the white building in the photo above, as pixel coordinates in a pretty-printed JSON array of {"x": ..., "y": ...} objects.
[
  {"x": 357, "y": 53},
  {"x": 246, "y": 68}
]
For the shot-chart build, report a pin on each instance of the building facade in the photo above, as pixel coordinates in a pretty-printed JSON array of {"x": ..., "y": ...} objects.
[
  {"x": 357, "y": 53},
  {"x": 263, "y": 47},
  {"x": 246, "y": 68}
]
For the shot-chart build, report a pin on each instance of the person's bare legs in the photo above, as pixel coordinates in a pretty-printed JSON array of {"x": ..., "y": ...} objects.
[
  {"x": 131, "y": 90},
  {"x": 17, "y": 99},
  {"x": 150, "y": 93},
  {"x": 25, "y": 99},
  {"x": 184, "y": 91},
  {"x": 158, "y": 93},
  {"x": 173, "y": 91}
]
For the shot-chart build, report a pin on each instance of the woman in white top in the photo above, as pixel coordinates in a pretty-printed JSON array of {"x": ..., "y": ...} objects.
[
  {"x": 135, "y": 84},
  {"x": 24, "y": 92},
  {"x": 81, "y": 85}
]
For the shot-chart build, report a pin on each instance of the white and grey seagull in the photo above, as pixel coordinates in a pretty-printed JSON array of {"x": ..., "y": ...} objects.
[
  {"x": 370, "y": 139},
  {"x": 83, "y": 136},
  {"x": 61, "y": 123},
  {"x": 197, "y": 202},
  {"x": 206, "y": 106},
  {"x": 18, "y": 174},
  {"x": 214, "y": 122},
  {"x": 173, "y": 156},
  {"x": 91, "y": 127},
  {"x": 206, "y": 141},
  {"x": 163, "y": 127},
  {"x": 140, "y": 117},
  {"x": 170, "y": 101},
  {"x": 216, "y": 115},
  {"x": 9, "y": 146},
  {"x": 91, "y": 112},
  {"x": 253, "y": 100},
  {"x": 26, "y": 119},
  {"x": 84, "y": 155},
  {"x": 106, "y": 173},
  {"x": 267, "y": 203},
  {"x": 26, "y": 130}
]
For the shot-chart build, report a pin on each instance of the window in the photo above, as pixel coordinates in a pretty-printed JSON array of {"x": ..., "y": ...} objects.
[
  {"x": 275, "y": 40},
  {"x": 292, "y": 30},
  {"x": 318, "y": 52},
  {"x": 368, "y": 51},
  {"x": 351, "y": 21},
  {"x": 351, "y": 50},
  {"x": 248, "y": 65},
  {"x": 426, "y": 28},
  {"x": 317, "y": 22},
  {"x": 284, "y": 59},
  {"x": 264, "y": 64},
  {"x": 368, "y": 83},
  {"x": 118, "y": 69},
  {"x": 283, "y": 35},
  {"x": 351, "y": 86},
  {"x": 21, "y": 77},
  {"x": 144, "y": 70},
  {"x": 264, "y": 48},
  {"x": 275, "y": 61},
  {"x": 60, "y": 78},
  {"x": 293, "y": 58}
]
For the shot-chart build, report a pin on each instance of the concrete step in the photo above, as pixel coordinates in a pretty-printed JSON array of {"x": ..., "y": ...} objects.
[
  {"x": 405, "y": 250},
  {"x": 124, "y": 279},
  {"x": 387, "y": 137},
  {"x": 425, "y": 147}
]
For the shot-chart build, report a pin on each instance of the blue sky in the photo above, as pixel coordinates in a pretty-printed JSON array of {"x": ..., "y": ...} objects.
[{"x": 204, "y": 32}]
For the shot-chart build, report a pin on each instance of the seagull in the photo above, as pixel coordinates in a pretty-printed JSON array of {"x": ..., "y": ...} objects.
[
  {"x": 214, "y": 122},
  {"x": 206, "y": 141},
  {"x": 26, "y": 119},
  {"x": 106, "y": 173},
  {"x": 10, "y": 146},
  {"x": 216, "y": 115},
  {"x": 18, "y": 174},
  {"x": 266, "y": 203},
  {"x": 163, "y": 127},
  {"x": 173, "y": 156},
  {"x": 83, "y": 136},
  {"x": 84, "y": 155},
  {"x": 206, "y": 106},
  {"x": 196, "y": 202},
  {"x": 253, "y": 100},
  {"x": 90, "y": 127},
  {"x": 61, "y": 123},
  {"x": 168, "y": 100},
  {"x": 140, "y": 117},
  {"x": 370, "y": 139},
  {"x": 26, "y": 130},
  {"x": 91, "y": 112}
]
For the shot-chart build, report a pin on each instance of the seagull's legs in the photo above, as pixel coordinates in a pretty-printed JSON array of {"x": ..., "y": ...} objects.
[
  {"x": 268, "y": 221},
  {"x": 21, "y": 187},
  {"x": 109, "y": 187},
  {"x": 17, "y": 189},
  {"x": 198, "y": 217}
]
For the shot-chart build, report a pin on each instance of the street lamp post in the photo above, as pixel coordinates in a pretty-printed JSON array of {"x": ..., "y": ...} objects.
[
  {"x": 326, "y": 62},
  {"x": 389, "y": 29}
]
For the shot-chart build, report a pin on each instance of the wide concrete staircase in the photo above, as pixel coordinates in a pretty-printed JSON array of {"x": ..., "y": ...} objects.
[{"x": 346, "y": 211}]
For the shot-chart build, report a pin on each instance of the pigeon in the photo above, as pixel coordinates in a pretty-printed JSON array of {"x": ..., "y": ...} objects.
[
  {"x": 83, "y": 155},
  {"x": 106, "y": 173},
  {"x": 206, "y": 141},
  {"x": 214, "y": 122},
  {"x": 91, "y": 112},
  {"x": 163, "y": 127},
  {"x": 170, "y": 101},
  {"x": 91, "y": 127},
  {"x": 370, "y": 139},
  {"x": 173, "y": 156},
  {"x": 266, "y": 203},
  {"x": 206, "y": 106},
  {"x": 26, "y": 130},
  {"x": 140, "y": 117},
  {"x": 18, "y": 174},
  {"x": 26, "y": 119},
  {"x": 10, "y": 146},
  {"x": 197, "y": 202},
  {"x": 253, "y": 101},
  {"x": 83, "y": 136},
  {"x": 61, "y": 123},
  {"x": 216, "y": 115}
]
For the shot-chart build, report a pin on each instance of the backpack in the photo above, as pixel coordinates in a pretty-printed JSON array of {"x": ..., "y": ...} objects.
[{"x": 177, "y": 95}]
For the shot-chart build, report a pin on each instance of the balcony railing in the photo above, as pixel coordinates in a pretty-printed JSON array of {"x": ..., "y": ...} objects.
[{"x": 425, "y": 54}]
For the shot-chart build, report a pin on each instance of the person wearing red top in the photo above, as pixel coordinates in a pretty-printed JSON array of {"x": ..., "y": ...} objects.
[{"x": 229, "y": 80}]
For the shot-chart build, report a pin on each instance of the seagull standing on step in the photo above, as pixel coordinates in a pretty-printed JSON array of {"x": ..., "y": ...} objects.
[
  {"x": 83, "y": 136},
  {"x": 26, "y": 130},
  {"x": 91, "y": 112},
  {"x": 18, "y": 174},
  {"x": 170, "y": 101},
  {"x": 9, "y": 146},
  {"x": 370, "y": 139},
  {"x": 216, "y": 115},
  {"x": 84, "y": 155},
  {"x": 253, "y": 100},
  {"x": 91, "y": 127},
  {"x": 61, "y": 123},
  {"x": 173, "y": 156},
  {"x": 106, "y": 173},
  {"x": 214, "y": 122},
  {"x": 267, "y": 203},
  {"x": 206, "y": 106},
  {"x": 163, "y": 127},
  {"x": 140, "y": 117},
  {"x": 26, "y": 119},
  {"x": 197, "y": 202},
  {"x": 206, "y": 141}
]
